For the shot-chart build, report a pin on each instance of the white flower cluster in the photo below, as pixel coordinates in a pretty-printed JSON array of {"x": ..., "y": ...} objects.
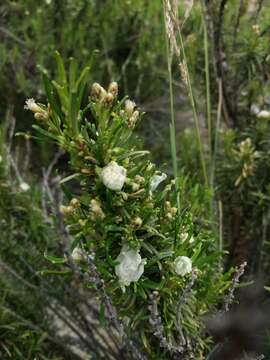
[
  {"x": 130, "y": 267},
  {"x": 113, "y": 176}
]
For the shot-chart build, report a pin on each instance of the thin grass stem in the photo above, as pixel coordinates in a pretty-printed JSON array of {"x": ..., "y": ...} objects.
[
  {"x": 194, "y": 109},
  {"x": 172, "y": 124}
]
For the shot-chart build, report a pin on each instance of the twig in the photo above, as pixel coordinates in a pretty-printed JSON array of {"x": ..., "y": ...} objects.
[
  {"x": 111, "y": 311},
  {"x": 12, "y": 36},
  {"x": 27, "y": 154},
  {"x": 182, "y": 301},
  {"x": 230, "y": 297},
  {"x": 156, "y": 322}
]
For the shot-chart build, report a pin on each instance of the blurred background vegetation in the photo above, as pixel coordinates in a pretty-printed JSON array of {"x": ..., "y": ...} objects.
[{"x": 124, "y": 40}]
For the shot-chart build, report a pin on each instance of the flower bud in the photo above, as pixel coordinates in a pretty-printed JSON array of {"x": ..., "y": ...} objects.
[
  {"x": 97, "y": 212},
  {"x": 98, "y": 93},
  {"x": 113, "y": 89},
  {"x": 40, "y": 116},
  {"x": 31, "y": 105},
  {"x": 129, "y": 107},
  {"x": 108, "y": 99},
  {"x": 75, "y": 203},
  {"x": 133, "y": 119},
  {"x": 135, "y": 186},
  {"x": 139, "y": 179},
  {"x": 66, "y": 210},
  {"x": 256, "y": 29},
  {"x": 82, "y": 222},
  {"x": 137, "y": 222}
]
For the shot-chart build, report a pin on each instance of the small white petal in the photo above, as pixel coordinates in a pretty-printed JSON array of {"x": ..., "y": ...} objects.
[
  {"x": 182, "y": 265},
  {"x": 113, "y": 176},
  {"x": 156, "y": 180}
]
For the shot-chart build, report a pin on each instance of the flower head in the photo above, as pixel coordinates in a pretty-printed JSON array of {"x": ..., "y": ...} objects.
[
  {"x": 182, "y": 265},
  {"x": 113, "y": 89},
  {"x": 98, "y": 93},
  {"x": 129, "y": 107},
  {"x": 113, "y": 176},
  {"x": 31, "y": 105},
  {"x": 130, "y": 267}
]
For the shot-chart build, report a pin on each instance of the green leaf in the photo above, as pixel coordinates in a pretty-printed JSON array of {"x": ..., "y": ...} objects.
[
  {"x": 72, "y": 74},
  {"x": 50, "y": 94},
  {"x": 55, "y": 259},
  {"x": 55, "y": 272},
  {"x": 81, "y": 83},
  {"x": 44, "y": 132},
  {"x": 73, "y": 112},
  {"x": 60, "y": 68}
]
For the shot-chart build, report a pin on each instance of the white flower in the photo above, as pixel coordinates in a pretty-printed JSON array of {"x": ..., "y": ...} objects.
[
  {"x": 182, "y": 265},
  {"x": 24, "y": 186},
  {"x": 78, "y": 254},
  {"x": 130, "y": 267},
  {"x": 31, "y": 105},
  {"x": 156, "y": 180},
  {"x": 263, "y": 114},
  {"x": 113, "y": 176}
]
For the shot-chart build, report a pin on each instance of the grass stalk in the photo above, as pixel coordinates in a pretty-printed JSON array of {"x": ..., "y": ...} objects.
[
  {"x": 172, "y": 114},
  {"x": 194, "y": 109},
  {"x": 208, "y": 95}
]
